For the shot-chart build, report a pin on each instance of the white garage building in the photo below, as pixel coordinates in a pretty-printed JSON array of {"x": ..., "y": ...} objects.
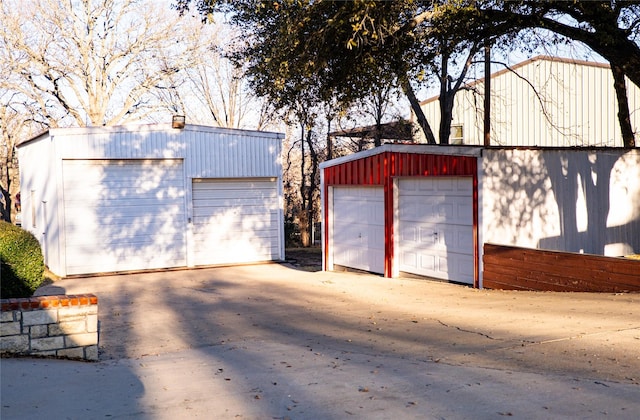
[{"x": 111, "y": 199}]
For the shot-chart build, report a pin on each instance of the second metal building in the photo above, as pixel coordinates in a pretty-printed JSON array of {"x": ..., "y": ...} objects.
[{"x": 429, "y": 210}]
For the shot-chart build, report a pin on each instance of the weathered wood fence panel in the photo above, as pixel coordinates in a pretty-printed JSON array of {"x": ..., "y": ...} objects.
[{"x": 513, "y": 268}]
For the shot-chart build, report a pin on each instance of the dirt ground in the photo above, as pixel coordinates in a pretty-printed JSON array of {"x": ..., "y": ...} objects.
[{"x": 307, "y": 259}]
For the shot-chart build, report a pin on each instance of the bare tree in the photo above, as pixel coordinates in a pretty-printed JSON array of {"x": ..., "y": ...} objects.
[
  {"x": 291, "y": 177},
  {"x": 214, "y": 91},
  {"x": 93, "y": 62},
  {"x": 78, "y": 63},
  {"x": 16, "y": 121},
  {"x": 302, "y": 155}
]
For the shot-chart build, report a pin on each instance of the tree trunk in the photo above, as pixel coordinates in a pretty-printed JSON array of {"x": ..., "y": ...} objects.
[
  {"x": 377, "y": 136},
  {"x": 624, "y": 118},
  {"x": 448, "y": 90},
  {"x": 304, "y": 234},
  {"x": 313, "y": 187},
  {"x": 5, "y": 209},
  {"x": 378, "y": 114},
  {"x": 446, "y": 101},
  {"x": 329, "y": 141},
  {"x": 305, "y": 239},
  {"x": 5, "y": 179},
  {"x": 417, "y": 109}
]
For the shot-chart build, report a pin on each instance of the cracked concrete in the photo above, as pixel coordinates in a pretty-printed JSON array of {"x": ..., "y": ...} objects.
[{"x": 269, "y": 341}]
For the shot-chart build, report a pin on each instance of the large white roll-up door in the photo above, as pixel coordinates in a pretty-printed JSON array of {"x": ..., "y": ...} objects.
[
  {"x": 122, "y": 215},
  {"x": 236, "y": 221},
  {"x": 358, "y": 228},
  {"x": 436, "y": 227}
]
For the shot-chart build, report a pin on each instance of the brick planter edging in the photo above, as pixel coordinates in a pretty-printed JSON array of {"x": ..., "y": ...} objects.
[{"x": 64, "y": 326}]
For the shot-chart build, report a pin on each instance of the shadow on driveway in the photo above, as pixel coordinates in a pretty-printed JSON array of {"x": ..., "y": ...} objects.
[{"x": 269, "y": 341}]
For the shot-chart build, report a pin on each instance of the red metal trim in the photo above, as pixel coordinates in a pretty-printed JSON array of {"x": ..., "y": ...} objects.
[
  {"x": 380, "y": 170},
  {"x": 327, "y": 174},
  {"x": 476, "y": 253},
  {"x": 388, "y": 216}
]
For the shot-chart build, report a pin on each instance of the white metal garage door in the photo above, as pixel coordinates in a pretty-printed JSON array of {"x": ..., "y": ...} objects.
[
  {"x": 358, "y": 228},
  {"x": 236, "y": 221},
  {"x": 123, "y": 215},
  {"x": 436, "y": 227}
]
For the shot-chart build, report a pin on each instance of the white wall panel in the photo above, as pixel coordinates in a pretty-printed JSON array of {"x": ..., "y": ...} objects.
[
  {"x": 40, "y": 198},
  {"x": 233, "y": 156},
  {"x": 209, "y": 152},
  {"x": 566, "y": 200}
]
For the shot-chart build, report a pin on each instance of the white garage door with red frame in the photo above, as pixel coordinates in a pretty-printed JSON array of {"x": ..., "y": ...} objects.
[
  {"x": 358, "y": 228},
  {"x": 435, "y": 227}
]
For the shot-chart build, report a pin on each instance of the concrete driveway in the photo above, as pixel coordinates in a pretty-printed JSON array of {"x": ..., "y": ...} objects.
[{"x": 272, "y": 342}]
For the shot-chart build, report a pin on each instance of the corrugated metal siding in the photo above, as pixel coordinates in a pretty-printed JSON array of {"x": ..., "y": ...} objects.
[
  {"x": 579, "y": 100},
  {"x": 112, "y": 144},
  {"x": 233, "y": 156},
  {"x": 564, "y": 200},
  {"x": 376, "y": 169},
  {"x": 40, "y": 198},
  {"x": 566, "y": 109},
  {"x": 208, "y": 153}
]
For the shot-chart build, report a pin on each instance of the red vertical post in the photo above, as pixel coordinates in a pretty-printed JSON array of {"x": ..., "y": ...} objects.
[
  {"x": 388, "y": 215},
  {"x": 476, "y": 253},
  {"x": 327, "y": 180}
]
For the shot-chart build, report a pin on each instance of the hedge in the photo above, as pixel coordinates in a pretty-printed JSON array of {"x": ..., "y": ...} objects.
[{"x": 21, "y": 262}]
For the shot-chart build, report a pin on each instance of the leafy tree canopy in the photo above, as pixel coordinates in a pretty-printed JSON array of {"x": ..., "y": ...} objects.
[
  {"x": 318, "y": 49},
  {"x": 610, "y": 28}
]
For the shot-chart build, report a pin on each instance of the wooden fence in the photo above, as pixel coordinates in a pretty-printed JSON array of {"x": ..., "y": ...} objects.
[{"x": 513, "y": 268}]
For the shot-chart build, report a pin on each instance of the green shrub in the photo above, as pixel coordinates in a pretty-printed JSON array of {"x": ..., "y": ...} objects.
[{"x": 21, "y": 262}]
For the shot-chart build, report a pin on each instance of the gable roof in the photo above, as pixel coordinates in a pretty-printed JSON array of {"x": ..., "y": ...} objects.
[{"x": 522, "y": 64}]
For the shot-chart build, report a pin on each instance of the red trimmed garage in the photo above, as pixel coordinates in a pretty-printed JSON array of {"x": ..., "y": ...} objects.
[{"x": 401, "y": 209}]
